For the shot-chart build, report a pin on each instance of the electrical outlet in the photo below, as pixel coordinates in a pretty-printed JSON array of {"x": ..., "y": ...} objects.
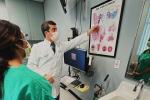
[{"x": 117, "y": 63}]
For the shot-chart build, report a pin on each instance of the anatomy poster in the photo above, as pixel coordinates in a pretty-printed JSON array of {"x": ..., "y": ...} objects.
[{"x": 108, "y": 16}]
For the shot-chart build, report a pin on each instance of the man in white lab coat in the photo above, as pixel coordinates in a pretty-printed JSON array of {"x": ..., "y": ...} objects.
[{"x": 46, "y": 57}]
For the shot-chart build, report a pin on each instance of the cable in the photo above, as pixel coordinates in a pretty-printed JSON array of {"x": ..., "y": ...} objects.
[{"x": 69, "y": 71}]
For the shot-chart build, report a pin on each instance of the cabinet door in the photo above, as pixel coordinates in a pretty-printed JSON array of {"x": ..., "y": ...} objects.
[
  {"x": 17, "y": 13},
  {"x": 36, "y": 18},
  {"x": 3, "y": 10},
  {"x": 29, "y": 15}
]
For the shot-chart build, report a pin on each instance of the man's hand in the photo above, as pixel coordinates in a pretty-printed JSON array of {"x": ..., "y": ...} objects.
[
  {"x": 93, "y": 30},
  {"x": 49, "y": 78}
]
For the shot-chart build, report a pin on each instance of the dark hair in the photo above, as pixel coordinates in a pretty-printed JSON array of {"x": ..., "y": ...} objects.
[
  {"x": 10, "y": 47},
  {"x": 45, "y": 26}
]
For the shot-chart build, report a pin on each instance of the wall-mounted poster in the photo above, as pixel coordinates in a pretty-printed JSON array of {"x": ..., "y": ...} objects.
[{"x": 108, "y": 16}]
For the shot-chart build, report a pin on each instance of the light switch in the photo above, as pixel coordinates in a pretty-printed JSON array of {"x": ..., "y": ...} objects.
[{"x": 117, "y": 63}]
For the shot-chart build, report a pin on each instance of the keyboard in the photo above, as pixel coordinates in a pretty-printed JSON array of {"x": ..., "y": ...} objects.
[{"x": 75, "y": 83}]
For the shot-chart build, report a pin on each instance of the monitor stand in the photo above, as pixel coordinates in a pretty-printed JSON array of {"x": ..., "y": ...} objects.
[
  {"x": 76, "y": 73},
  {"x": 89, "y": 73}
]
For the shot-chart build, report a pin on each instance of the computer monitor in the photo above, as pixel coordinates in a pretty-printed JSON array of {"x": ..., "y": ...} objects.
[{"x": 77, "y": 58}]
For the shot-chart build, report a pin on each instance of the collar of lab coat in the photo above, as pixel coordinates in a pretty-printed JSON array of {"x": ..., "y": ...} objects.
[{"x": 47, "y": 42}]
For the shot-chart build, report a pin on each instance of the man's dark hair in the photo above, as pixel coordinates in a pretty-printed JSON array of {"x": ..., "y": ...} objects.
[{"x": 45, "y": 26}]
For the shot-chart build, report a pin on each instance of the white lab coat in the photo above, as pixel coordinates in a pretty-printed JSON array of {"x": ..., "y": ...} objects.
[{"x": 42, "y": 59}]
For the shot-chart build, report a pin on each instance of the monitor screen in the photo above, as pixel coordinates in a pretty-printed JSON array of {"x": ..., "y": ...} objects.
[{"x": 76, "y": 58}]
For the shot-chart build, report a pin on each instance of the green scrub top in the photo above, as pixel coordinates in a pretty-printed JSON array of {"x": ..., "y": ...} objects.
[
  {"x": 23, "y": 84},
  {"x": 144, "y": 62}
]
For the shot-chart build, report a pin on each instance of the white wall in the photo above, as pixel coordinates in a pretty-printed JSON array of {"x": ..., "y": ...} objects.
[
  {"x": 3, "y": 10},
  {"x": 28, "y": 14},
  {"x": 102, "y": 65},
  {"x": 17, "y": 14}
]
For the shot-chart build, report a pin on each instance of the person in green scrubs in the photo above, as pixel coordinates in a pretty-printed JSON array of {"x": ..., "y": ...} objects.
[
  {"x": 17, "y": 82},
  {"x": 143, "y": 69}
]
